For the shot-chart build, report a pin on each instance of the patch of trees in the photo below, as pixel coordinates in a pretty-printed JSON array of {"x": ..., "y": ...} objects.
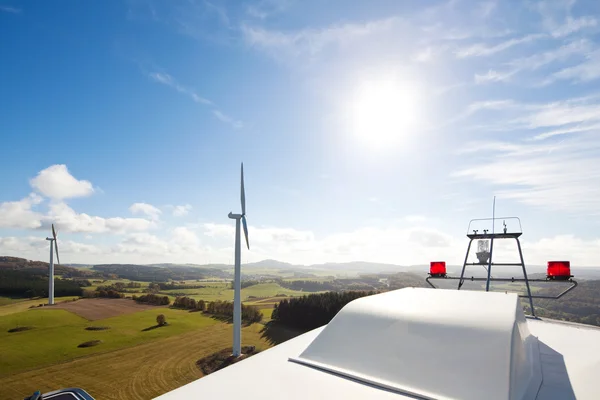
[
  {"x": 315, "y": 310},
  {"x": 152, "y": 299},
  {"x": 174, "y": 286},
  {"x": 250, "y": 314},
  {"x": 26, "y": 283},
  {"x": 189, "y": 303},
  {"x": 356, "y": 284},
  {"x": 309, "y": 286},
  {"x": 111, "y": 294}
]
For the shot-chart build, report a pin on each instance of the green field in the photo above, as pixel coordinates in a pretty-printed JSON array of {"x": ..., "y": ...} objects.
[
  {"x": 8, "y": 300},
  {"x": 57, "y": 333},
  {"x": 134, "y": 373},
  {"x": 267, "y": 313},
  {"x": 222, "y": 291},
  {"x": 19, "y": 305}
]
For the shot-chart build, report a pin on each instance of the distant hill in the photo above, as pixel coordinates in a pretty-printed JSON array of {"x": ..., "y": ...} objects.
[
  {"x": 272, "y": 264},
  {"x": 158, "y": 274},
  {"x": 35, "y": 267}
]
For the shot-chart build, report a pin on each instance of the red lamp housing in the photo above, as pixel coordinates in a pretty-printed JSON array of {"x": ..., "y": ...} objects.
[
  {"x": 559, "y": 270},
  {"x": 437, "y": 269}
]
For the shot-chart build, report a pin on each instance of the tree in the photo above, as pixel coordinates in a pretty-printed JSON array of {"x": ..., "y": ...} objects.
[{"x": 161, "y": 320}]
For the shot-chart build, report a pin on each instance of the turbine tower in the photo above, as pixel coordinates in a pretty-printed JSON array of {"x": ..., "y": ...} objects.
[
  {"x": 237, "y": 284},
  {"x": 54, "y": 242}
]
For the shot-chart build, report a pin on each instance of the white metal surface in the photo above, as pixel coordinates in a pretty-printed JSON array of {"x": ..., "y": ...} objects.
[
  {"x": 237, "y": 294},
  {"x": 237, "y": 278},
  {"x": 51, "y": 273},
  {"x": 568, "y": 355},
  {"x": 427, "y": 342}
]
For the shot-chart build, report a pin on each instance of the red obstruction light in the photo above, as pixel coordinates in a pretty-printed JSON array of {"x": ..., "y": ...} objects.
[
  {"x": 438, "y": 269},
  {"x": 559, "y": 270}
]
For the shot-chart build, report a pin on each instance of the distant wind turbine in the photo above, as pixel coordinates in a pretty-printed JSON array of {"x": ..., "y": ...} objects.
[
  {"x": 237, "y": 301},
  {"x": 54, "y": 242}
]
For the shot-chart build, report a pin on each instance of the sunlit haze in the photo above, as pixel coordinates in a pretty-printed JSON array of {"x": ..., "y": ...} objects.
[{"x": 369, "y": 131}]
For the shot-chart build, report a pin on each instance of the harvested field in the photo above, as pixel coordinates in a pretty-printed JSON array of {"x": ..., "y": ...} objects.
[
  {"x": 135, "y": 373},
  {"x": 95, "y": 309}
]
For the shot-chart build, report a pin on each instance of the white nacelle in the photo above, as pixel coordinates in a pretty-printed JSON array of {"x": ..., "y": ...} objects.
[{"x": 439, "y": 344}]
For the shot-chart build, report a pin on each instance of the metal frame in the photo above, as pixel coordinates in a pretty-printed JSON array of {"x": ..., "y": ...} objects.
[
  {"x": 76, "y": 393},
  {"x": 505, "y": 235}
]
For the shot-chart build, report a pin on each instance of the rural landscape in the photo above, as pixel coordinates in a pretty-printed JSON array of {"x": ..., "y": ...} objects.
[{"x": 137, "y": 331}]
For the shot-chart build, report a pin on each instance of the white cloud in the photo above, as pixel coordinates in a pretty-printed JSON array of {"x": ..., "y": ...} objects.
[
  {"x": 19, "y": 214},
  {"x": 182, "y": 210},
  {"x": 573, "y": 25},
  {"x": 227, "y": 119},
  {"x": 57, "y": 183},
  {"x": 263, "y": 9},
  {"x": 493, "y": 76},
  {"x": 184, "y": 237},
  {"x": 219, "y": 230},
  {"x": 402, "y": 246},
  {"x": 588, "y": 70},
  {"x": 146, "y": 209},
  {"x": 415, "y": 219},
  {"x": 67, "y": 220},
  {"x": 484, "y": 49},
  {"x": 311, "y": 41},
  {"x": 485, "y": 9},
  {"x": 562, "y": 177},
  {"x": 11, "y": 10},
  {"x": 30, "y": 247},
  {"x": 424, "y": 55},
  {"x": 168, "y": 80}
]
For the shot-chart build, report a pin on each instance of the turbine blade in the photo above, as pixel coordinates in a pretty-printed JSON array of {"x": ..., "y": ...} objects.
[
  {"x": 243, "y": 193},
  {"x": 245, "y": 231},
  {"x": 55, "y": 244},
  {"x": 56, "y": 248}
]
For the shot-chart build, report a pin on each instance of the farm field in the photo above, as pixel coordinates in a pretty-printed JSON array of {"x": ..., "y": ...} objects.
[
  {"x": 221, "y": 291},
  {"x": 57, "y": 333},
  {"x": 94, "y": 309},
  {"x": 20, "y": 305},
  {"x": 138, "y": 372}
]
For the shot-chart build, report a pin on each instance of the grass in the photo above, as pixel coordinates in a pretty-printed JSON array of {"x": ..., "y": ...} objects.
[
  {"x": 139, "y": 372},
  {"x": 267, "y": 313},
  {"x": 23, "y": 305},
  {"x": 222, "y": 291},
  {"x": 59, "y": 332},
  {"x": 8, "y": 300}
]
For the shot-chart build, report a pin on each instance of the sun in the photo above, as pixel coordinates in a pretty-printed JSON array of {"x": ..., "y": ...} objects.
[{"x": 384, "y": 112}]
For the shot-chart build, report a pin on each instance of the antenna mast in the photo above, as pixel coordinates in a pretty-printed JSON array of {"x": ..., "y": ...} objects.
[{"x": 489, "y": 269}]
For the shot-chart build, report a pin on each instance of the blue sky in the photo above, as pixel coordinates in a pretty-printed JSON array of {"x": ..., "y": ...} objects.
[{"x": 369, "y": 131}]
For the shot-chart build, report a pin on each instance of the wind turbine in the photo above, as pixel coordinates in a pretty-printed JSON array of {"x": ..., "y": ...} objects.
[
  {"x": 237, "y": 278},
  {"x": 51, "y": 269}
]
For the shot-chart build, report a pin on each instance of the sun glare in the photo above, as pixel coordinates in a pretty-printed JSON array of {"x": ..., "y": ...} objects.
[{"x": 384, "y": 112}]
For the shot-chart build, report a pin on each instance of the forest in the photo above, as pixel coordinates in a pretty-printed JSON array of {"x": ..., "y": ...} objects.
[
  {"x": 25, "y": 284},
  {"x": 315, "y": 310}
]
